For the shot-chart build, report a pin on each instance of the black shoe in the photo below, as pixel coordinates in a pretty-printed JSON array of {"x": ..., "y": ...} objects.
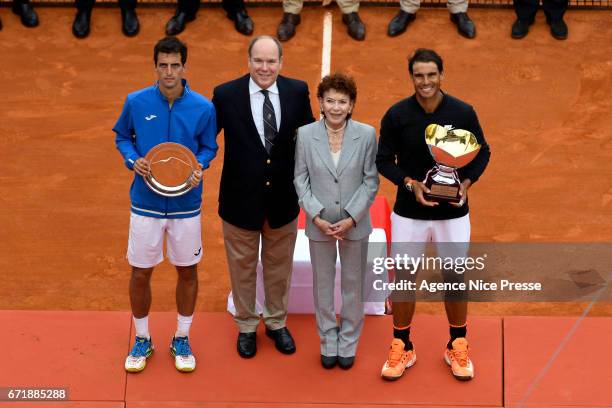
[
  {"x": 464, "y": 23},
  {"x": 558, "y": 29},
  {"x": 399, "y": 23},
  {"x": 0, "y": 24},
  {"x": 286, "y": 28},
  {"x": 242, "y": 22},
  {"x": 356, "y": 28},
  {"x": 346, "y": 362},
  {"x": 520, "y": 28},
  {"x": 328, "y": 361},
  {"x": 130, "y": 25},
  {"x": 247, "y": 344},
  {"x": 29, "y": 18},
  {"x": 282, "y": 340},
  {"x": 80, "y": 27},
  {"x": 176, "y": 24}
]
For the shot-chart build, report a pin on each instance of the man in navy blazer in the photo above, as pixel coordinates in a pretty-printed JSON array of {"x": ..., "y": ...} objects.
[{"x": 260, "y": 113}]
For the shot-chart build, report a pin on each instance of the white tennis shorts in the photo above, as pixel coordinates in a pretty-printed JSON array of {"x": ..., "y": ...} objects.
[
  {"x": 146, "y": 241},
  {"x": 419, "y": 232}
]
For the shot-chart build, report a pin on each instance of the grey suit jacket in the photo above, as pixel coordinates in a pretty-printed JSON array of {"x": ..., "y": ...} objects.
[{"x": 331, "y": 193}]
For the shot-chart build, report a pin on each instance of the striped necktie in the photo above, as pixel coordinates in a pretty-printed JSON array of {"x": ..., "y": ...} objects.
[{"x": 269, "y": 122}]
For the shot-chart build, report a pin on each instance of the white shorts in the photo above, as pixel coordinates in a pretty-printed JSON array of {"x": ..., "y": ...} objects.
[
  {"x": 146, "y": 241},
  {"x": 419, "y": 232}
]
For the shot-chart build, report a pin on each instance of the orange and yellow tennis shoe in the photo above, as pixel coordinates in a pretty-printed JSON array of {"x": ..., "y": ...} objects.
[
  {"x": 398, "y": 361},
  {"x": 459, "y": 361}
]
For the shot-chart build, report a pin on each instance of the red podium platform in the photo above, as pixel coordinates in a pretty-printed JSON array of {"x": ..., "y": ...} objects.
[{"x": 519, "y": 361}]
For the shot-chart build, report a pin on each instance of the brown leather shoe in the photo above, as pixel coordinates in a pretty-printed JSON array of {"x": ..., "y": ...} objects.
[
  {"x": 356, "y": 28},
  {"x": 286, "y": 28}
]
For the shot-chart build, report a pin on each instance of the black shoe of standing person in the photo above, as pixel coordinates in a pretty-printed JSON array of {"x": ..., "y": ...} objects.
[
  {"x": 520, "y": 28},
  {"x": 328, "y": 362},
  {"x": 356, "y": 28},
  {"x": 29, "y": 18},
  {"x": 247, "y": 344},
  {"x": 286, "y": 28},
  {"x": 346, "y": 362},
  {"x": 82, "y": 20},
  {"x": 242, "y": 22},
  {"x": 177, "y": 23},
  {"x": 282, "y": 340},
  {"x": 129, "y": 20},
  {"x": 399, "y": 23},
  {"x": 558, "y": 29},
  {"x": 465, "y": 25}
]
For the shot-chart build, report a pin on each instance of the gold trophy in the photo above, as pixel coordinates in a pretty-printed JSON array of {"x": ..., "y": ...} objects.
[{"x": 451, "y": 149}]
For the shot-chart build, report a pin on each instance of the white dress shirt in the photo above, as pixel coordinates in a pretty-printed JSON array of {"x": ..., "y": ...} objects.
[
  {"x": 336, "y": 157},
  {"x": 257, "y": 101}
]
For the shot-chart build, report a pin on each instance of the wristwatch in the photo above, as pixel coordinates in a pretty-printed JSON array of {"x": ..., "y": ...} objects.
[{"x": 408, "y": 185}]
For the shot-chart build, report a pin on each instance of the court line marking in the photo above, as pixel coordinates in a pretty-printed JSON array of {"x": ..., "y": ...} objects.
[
  {"x": 327, "y": 39},
  {"x": 561, "y": 346}
]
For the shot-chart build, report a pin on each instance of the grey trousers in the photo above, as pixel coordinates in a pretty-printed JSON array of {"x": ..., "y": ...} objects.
[
  {"x": 454, "y": 6},
  {"x": 295, "y": 6},
  {"x": 242, "y": 248},
  {"x": 338, "y": 338}
]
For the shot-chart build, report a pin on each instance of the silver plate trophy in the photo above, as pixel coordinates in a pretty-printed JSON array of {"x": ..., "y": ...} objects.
[
  {"x": 451, "y": 149},
  {"x": 172, "y": 166}
]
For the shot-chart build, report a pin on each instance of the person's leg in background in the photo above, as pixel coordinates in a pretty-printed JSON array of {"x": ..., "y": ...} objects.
[
  {"x": 82, "y": 19},
  {"x": 291, "y": 19},
  {"x": 404, "y": 16},
  {"x": 186, "y": 11},
  {"x": 525, "y": 16},
  {"x": 350, "y": 17},
  {"x": 236, "y": 11},
  {"x": 129, "y": 20},
  {"x": 24, "y": 9},
  {"x": 458, "y": 15},
  {"x": 555, "y": 10}
]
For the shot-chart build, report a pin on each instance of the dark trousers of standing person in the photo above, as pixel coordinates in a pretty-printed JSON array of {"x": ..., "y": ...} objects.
[
  {"x": 82, "y": 21},
  {"x": 553, "y": 9},
  {"x": 24, "y": 9},
  {"x": 186, "y": 11},
  {"x": 87, "y": 5},
  {"x": 191, "y": 7}
]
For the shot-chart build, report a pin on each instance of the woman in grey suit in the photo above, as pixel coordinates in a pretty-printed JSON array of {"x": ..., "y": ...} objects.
[{"x": 336, "y": 181}]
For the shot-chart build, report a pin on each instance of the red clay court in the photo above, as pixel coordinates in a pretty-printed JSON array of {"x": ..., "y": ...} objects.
[{"x": 545, "y": 109}]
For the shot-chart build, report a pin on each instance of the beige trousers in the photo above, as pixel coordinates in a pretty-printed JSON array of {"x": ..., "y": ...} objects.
[
  {"x": 454, "y": 6},
  {"x": 295, "y": 6},
  {"x": 242, "y": 249}
]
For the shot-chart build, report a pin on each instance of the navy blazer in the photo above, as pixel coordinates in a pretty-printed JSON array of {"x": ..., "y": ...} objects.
[{"x": 256, "y": 186}]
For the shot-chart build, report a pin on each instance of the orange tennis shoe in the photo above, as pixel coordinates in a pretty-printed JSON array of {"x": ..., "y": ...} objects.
[
  {"x": 398, "y": 361},
  {"x": 459, "y": 361}
]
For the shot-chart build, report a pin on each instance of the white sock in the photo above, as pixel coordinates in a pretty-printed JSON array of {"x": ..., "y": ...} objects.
[
  {"x": 142, "y": 327},
  {"x": 183, "y": 325}
]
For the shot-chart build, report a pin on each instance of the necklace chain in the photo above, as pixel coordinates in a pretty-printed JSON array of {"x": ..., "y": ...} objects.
[{"x": 334, "y": 132}]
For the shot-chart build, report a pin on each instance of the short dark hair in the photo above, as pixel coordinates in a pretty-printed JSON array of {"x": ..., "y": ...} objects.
[
  {"x": 425, "y": 55},
  {"x": 170, "y": 45},
  {"x": 268, "y": 37},
  {"x": 339, "y": 82}
]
